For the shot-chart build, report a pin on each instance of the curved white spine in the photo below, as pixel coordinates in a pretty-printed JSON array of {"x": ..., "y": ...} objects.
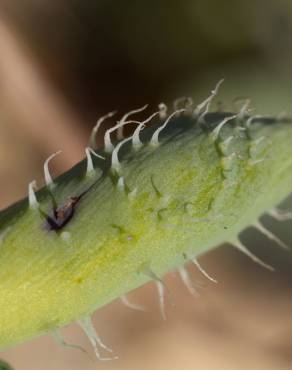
[
  {"x": 155, "y": 138},
  {"x": 242, "y": 248},
  {"x": 48, "y": 178},
  {"x": 108, "y": 145},
  {"x": 92, "y": 140},
  {"x": 203, "y": 108},
  {"x": 61, "y": 342},
  {"x": 252, "y": 118},
  {"x": 244, "y": 110},
  {"x": 136, "y": 142},
  {"x": 259, "y": 226},
  {"x": 186, "y": 279},
  {"x": 203, "y": 271},
  {"x": 124, "y": 299},
  {"x": 161, "y": 296},
  {"x": 87, "y": 326},
  {"x": 215, "y": 133},
  {"x": 32, "y": 200},
  {"x": 120, "y": 135},
  {"x": 280, "y": 215},
  {"x": 90, "y": 168},
  {"x": 116, "y": 165}
]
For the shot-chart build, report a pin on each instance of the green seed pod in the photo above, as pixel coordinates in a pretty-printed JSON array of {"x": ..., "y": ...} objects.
[{"x": 133, "y": 211}]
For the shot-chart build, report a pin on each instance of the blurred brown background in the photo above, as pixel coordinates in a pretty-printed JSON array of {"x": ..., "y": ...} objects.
[{"x": 65, "y": 63}]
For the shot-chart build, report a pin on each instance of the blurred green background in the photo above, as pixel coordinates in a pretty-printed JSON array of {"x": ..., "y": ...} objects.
[{"x": 65, "y": 63}]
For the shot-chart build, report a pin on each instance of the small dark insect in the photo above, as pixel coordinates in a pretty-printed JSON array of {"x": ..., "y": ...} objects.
[{"x": 62, "y": 215}]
